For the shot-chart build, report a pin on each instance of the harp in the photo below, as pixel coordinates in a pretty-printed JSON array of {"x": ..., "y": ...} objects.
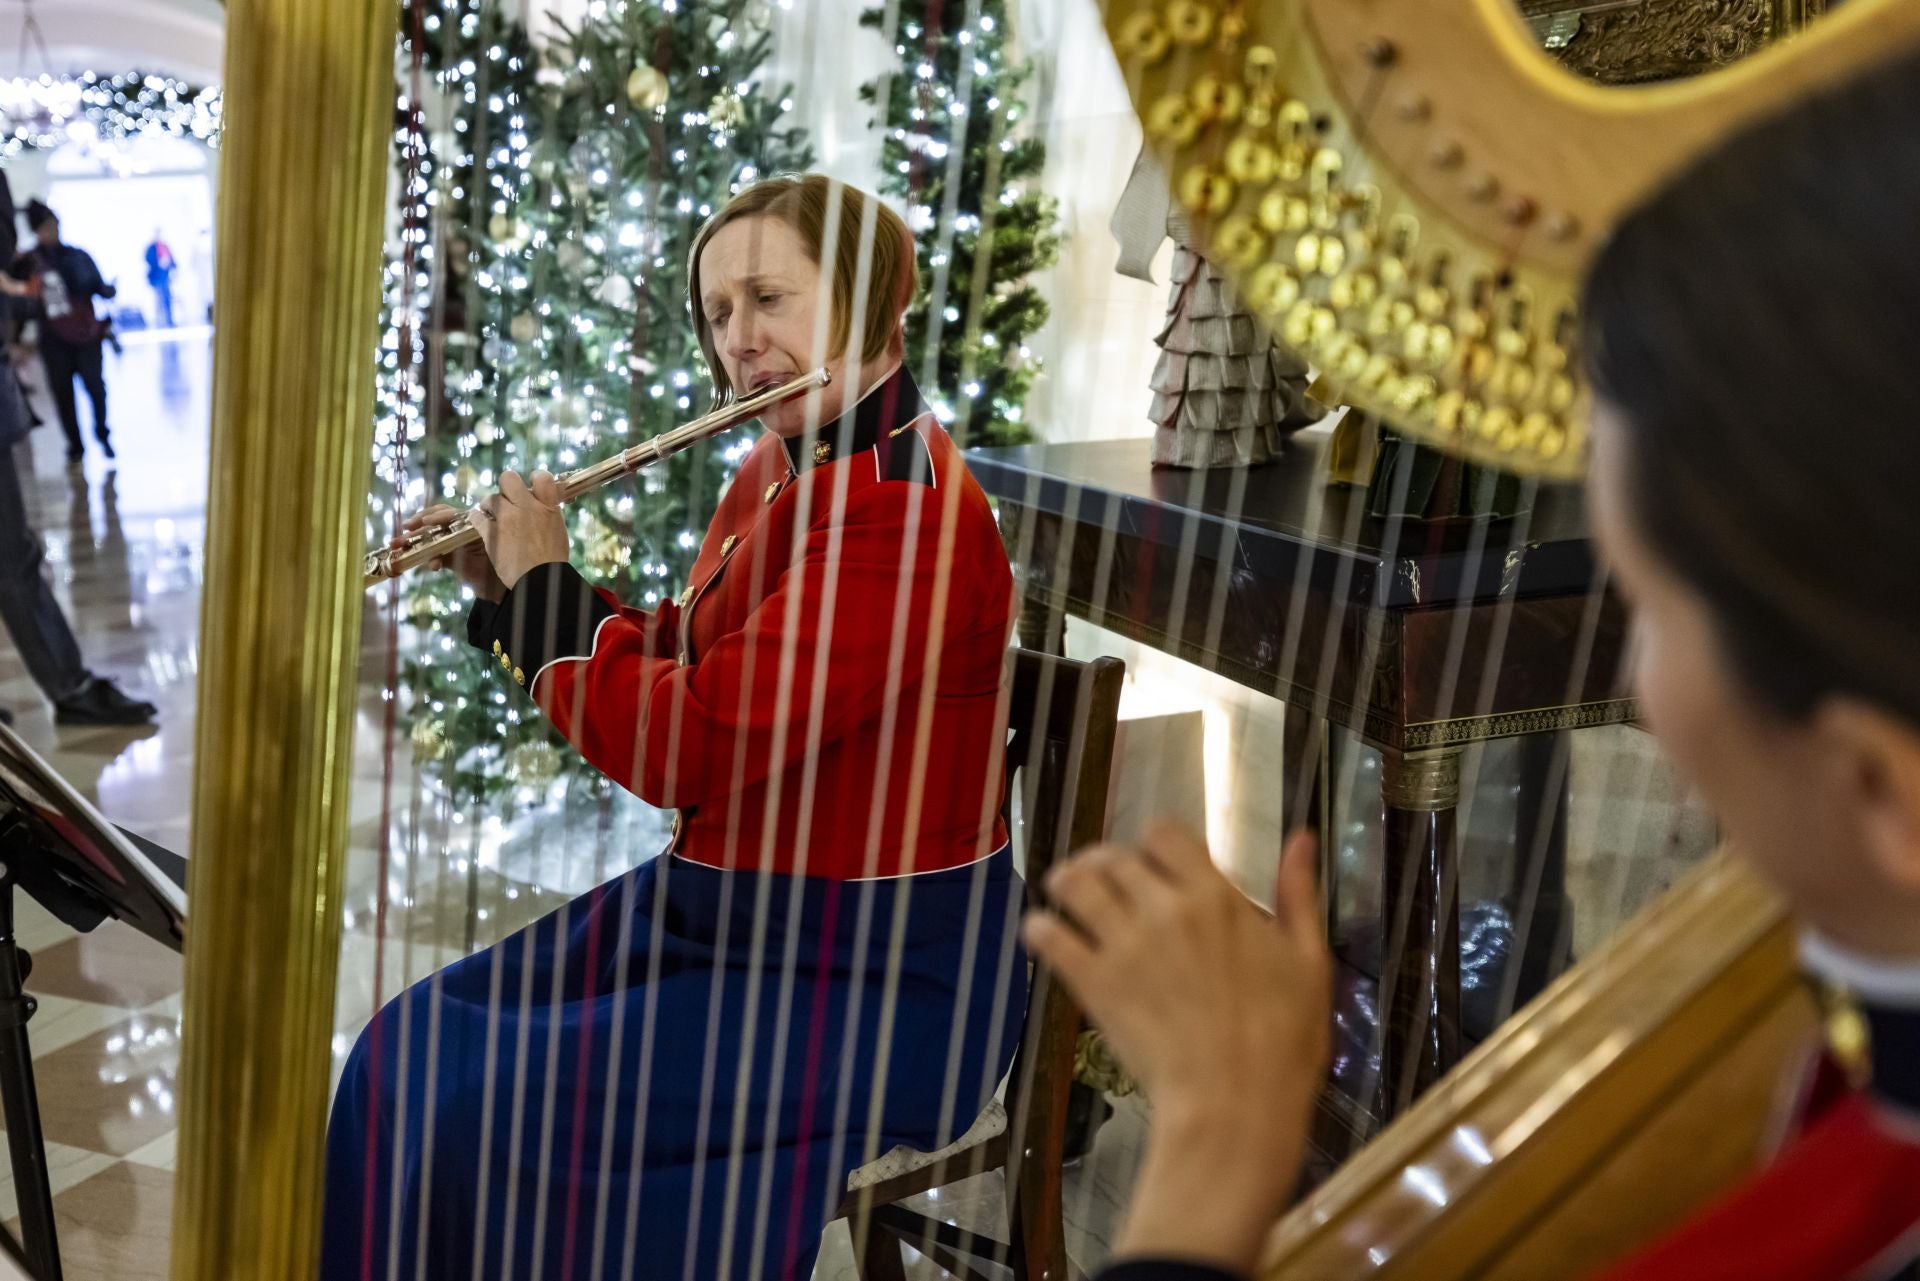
[
  {"x": 1616, "y": 1104},
  {"x": 1408, "y": 191},
  {"x": 1406, "y": 188}
]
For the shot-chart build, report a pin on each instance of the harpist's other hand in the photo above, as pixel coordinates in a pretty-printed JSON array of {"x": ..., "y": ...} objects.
[
  {"x": 521, "y": 525},
  {"x": 1219, "y": 1010}
]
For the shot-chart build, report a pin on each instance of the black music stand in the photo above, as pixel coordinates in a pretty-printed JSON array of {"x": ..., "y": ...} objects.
[{"x": 83, "y": 869}]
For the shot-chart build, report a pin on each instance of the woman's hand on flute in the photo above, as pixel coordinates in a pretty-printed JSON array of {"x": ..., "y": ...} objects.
[
  {"x": 469, "y": 562},
  {"x": 521, "y": 525},
  {"x": 1221, "y": 1012}
]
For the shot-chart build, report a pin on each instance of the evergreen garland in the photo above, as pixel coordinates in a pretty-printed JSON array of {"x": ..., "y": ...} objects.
[{"x": 954, "y": 150}]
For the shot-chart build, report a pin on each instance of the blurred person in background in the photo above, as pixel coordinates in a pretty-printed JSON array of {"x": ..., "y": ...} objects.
[
  {"x": 160, "y": 269},
  {"x": 33, "y": 619},
  {"x": 65, "y": 280}
]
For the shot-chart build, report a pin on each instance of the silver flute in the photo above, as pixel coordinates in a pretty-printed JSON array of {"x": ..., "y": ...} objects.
[{"x": 427, "y": 545}]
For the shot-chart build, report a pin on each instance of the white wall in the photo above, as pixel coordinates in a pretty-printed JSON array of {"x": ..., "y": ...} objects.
[
  {"x": 181, "y": 38},
  {"x": 1099, "y": 348}
]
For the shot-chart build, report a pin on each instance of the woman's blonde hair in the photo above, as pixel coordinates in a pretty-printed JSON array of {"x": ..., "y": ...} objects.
[{"x": 805, "y": 202}]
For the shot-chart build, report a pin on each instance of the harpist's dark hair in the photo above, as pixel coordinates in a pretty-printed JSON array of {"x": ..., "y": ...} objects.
[{"x": 1756, "y": 327}]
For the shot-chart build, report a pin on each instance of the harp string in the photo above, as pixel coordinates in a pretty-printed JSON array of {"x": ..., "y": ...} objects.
[
  {"x": 412, "y": 163},
  {"x": 1368, "y": 159},
  {"x": 761, "y": 1197}
]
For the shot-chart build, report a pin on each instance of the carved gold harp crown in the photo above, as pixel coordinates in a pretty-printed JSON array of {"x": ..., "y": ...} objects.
[{"x": 1409, "y": 189}]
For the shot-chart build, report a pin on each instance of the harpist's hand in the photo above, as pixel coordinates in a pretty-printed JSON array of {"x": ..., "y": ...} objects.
[
  {"x": 521, "y": 525},
  {"x": 1222, "y": 1014}
]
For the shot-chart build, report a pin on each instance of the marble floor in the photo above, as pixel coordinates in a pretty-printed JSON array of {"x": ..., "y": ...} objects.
[
  {"x": 123, "y": 543},
  {"x": 124, "y": 547}
]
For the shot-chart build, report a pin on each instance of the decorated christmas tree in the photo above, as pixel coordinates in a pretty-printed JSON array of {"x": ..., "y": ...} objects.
[
  {"x": 540, "y": 320},
  {"x": 956, "y": 151}
]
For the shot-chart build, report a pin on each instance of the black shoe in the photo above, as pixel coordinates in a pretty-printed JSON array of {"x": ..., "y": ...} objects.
[
  {"x": 106, "y": 446},
  {"x": 6, "y": 717},
  {"x": 99, "y": 703}
]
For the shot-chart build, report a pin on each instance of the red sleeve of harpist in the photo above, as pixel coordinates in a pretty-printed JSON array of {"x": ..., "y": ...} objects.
[
  {"x": 847, "y": 625},
  {"x": 1840, "y": 1203}
]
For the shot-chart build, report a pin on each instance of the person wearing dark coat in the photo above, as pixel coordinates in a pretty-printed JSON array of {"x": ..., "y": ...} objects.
[{"x": 65, "y": 281}]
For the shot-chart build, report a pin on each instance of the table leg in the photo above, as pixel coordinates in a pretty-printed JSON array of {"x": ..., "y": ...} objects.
[
  {"x": 1306, "y": 774},
  {"x": 1033, "y": 549},
  {"x": 1041, "y": 627},
  {"x": 1538, "y": 897},
  {"x": 1420, "y": 968}
]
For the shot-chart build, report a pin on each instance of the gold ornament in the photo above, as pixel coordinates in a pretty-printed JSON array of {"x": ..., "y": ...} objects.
[
  {"x": 508, "y": 231},
  {"x": 647, "y": 88},
  {"x": 1217, "y": 99},
  {"x": 420, "y": 611},
  {"x": 607, "y": 552},
  {"x": 1190, "y": 21},
  {"x": 1354, "y": 289},
  {"x": 1174, "y": 119},
  {"x": 535, "y": 764},
  {"x": 1239, "y": 243},
  {"x": 1095, "y": 1066},
  {"x": 1142, "y": 37},
  {"x": 1204, "y": 191},
  {"x": 524, "y": 327},
  {"x": 1273, "y": 289},
  {"x": 1282, "y": 212},
  {"x": 429, "y": 739},
  {"x": 1250, "y": 160},
  {"x": 726, "y": 111}
]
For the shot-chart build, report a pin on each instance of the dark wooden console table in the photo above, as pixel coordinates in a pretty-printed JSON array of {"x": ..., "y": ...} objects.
[{"x": 1419, "y": 638}]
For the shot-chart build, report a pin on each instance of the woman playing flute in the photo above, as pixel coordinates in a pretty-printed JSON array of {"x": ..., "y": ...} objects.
[{"x": 672, "y": 1076}]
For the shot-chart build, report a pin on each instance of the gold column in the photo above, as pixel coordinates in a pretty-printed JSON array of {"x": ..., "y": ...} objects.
[{"x": 309, "y": 91}]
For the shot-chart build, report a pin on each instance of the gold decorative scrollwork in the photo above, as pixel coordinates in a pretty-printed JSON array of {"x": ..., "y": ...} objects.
[{"x": 1545, "y": 720}]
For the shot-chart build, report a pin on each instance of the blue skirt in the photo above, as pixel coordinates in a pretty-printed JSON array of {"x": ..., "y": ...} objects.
[{"x": 670, "y": 1078}]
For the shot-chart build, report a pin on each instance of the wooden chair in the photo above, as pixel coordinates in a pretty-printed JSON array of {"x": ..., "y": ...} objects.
[{"x": 1062, "y": 717}]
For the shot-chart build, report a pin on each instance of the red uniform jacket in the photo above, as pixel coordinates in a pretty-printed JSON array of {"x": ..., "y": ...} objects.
[
  {"x": 1840, "y": 1202},
  {"x": 825, "y": 697}
]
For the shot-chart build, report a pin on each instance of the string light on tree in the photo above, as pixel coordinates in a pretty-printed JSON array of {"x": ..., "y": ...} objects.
[
  {"x": 568, "y": 177},
  {"x": 953, "y": 148}
]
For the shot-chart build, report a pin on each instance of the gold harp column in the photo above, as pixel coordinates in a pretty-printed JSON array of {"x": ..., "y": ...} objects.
[{"x": 309, "y": 106}]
